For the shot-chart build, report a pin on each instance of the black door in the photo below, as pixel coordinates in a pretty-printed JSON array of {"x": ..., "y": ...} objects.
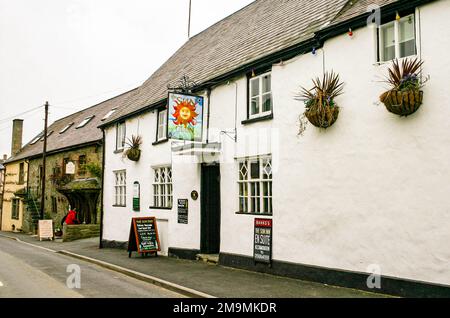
[{"x": 210, "y": 220}]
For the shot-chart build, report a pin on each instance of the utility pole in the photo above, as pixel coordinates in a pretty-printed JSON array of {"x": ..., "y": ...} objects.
[
  {"x": 189, "y": 22},
  {"x": 44, "y": 162}
]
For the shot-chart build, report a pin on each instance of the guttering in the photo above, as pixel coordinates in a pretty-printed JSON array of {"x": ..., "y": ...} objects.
[{"x": 103, "y": 189}]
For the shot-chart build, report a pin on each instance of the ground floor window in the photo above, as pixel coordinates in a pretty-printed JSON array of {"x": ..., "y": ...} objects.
[
  {"x": 162, "y": 187},
  {"x": 120, "y": 188},
  {"x": 255, "y": 186},
  {"x": 15, "y": 209}
]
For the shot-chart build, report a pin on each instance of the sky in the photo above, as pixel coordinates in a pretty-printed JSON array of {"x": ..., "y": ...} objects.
[{"x": 77, "y": 53}]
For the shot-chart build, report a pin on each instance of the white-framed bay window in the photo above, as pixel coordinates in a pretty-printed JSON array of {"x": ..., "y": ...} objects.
[
  {"x": 120, "y": 188},
  {"x": 397, "y": 39},
  {"x": 162, "y": 187},
  {"x": 255, "y": 186},
  {"x": 260, "y": 99}
]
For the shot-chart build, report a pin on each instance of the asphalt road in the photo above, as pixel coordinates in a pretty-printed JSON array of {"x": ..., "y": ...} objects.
[{"x": 30, "y": 272}]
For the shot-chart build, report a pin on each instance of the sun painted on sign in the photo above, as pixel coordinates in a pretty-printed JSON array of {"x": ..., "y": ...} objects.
[{"x": 185, "y": 117}]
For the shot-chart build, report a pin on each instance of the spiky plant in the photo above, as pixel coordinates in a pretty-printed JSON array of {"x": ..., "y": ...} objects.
[
  {"x": 405, "y": 75},
  {"x": 133, "y": 152}
]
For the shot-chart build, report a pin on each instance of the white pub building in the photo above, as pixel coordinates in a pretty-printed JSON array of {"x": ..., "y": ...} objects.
[{"x": 225, "y": 171}]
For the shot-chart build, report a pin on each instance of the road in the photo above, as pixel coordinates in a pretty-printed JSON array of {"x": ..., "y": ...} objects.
[{"x": 31, "y": 272}]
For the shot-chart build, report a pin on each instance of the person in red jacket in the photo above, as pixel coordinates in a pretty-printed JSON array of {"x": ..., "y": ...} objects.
[{"x": 71, "y": 218}]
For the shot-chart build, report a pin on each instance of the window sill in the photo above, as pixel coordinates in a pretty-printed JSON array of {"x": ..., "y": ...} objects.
[
  {"x": 253, "y": 214},
  {"x": 119, "y": 206},
  {"x": 159, "y": 208},
  {"x": 119, "y": 151},
  {"x": 159, "y": 142},
  {"x": 257, "y": 119}
]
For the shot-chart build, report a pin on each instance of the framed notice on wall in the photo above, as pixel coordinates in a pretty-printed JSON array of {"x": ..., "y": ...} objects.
[
  {"x": 183, "y": 211},
  {"x": 262, "y": 250}
]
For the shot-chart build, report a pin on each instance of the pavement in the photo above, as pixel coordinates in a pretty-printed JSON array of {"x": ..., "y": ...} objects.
[{"x": 191, "y": 278}]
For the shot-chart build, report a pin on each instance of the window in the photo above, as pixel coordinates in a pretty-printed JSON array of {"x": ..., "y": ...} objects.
[
  {"x": 15, "y": 209},
  {"x": 260, "y": 89},
  {"x": 162, "y": 125},
  {"x": 120, "y": 188},
  {"x": 22, "y": 173},
  {"x": 48, "y": 135},
  {"x": 397, "y": 39},
  {"x": 162, "y": 187},
  {"x": 54, "y": 205},
  {"x": 36, "y": 139},
  {"x": 120, "y": 136},
  {"x": 109, "y": 114},
  {"x": 66, "y": 128},
  {"x": 82, "y": 165},
  {"x": 85, "y": 122},
  {"x": 255, "y": 186}
]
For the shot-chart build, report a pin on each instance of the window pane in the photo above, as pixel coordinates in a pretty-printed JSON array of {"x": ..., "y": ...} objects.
[
  {"x": 406, "y": 29},
  {"x": 388, "y": 37},
  {"x": 408, "y": 48},
  {"x": 267, "y": 103},
  {"x": 254, "y": 87},
  {"x": 254, "y": 166},
  {"x": 267, "y": 85},
  {"x": 255, "y": 106}
]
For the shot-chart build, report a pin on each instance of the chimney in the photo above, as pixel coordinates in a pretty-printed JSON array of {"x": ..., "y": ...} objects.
[{"x": 16, "y": 143}]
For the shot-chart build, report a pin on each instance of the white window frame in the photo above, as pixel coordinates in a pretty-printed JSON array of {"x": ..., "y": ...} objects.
[
  {"x": 109, "y": 114},
  {"x": 120, "y": 188},
  {"x": 162, "y": 187},
  {"x": 396, "y": 24},
  {"x": 251, "y": 197},
  {"x": 260, "y": 95},
  {"x": 121, "y": 133},
  {"x": 161, "y": 134},
  {"x": 66, "y": 128},
  {"x": 15, "y": 209},
  {"x": 85, "y": 122}
]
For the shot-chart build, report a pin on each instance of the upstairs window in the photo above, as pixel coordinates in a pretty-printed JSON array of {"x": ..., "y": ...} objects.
[
  {"x": 22, "y": 173},
  {"x": 260, "y": 99},
  {"x": 82, "y": 165},
  {"x": 85, "y": 122},
  {"x": 120, "y": 136},
  {"x": 66, "y": 128},
  {"x": 397, "y": 39},
  {"x": 109, "y": 114},
  {"x": 162, "y": 125},
  {"x": 36, "y": 139}
]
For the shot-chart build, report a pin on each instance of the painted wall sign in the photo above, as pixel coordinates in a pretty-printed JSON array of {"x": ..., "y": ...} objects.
[
  {"x": 263, "y": 241},
  {"x": 183, "y": 211},
  {"x": 136, "y": 197},
  {"x": 70, "y": 168},
  {"x": 144, "y": 237},
  {"x": 45, "y": 229},
  {"x": 185, "y": 117}
]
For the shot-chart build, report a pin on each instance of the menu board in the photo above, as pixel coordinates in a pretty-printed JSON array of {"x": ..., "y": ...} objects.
[
  {"x": 45, "y": 229},
  {"x": 144, "y": 237},
  {"x": 183, "y": 211},
  {"x": 263, "y": 241}
]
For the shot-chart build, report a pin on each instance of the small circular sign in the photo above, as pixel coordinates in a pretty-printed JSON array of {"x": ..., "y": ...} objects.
[{"x": 194, "y": 195}]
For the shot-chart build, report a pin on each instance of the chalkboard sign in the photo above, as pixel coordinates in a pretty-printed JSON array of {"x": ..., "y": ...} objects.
[
  {"x": 144, "y": 237},
  {"x": 263, "y": 241},
  {"x": 183, "y": 211}
]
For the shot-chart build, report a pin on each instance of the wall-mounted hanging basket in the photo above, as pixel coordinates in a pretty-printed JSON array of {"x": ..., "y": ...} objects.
[
  {"x": 133, "y": 152},
  {"x": 321, "y": 109},
  {"x": 406, "y": 96}
]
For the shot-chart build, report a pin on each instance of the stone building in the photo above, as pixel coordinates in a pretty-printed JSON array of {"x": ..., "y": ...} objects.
[{"x": 74, "y": 160}]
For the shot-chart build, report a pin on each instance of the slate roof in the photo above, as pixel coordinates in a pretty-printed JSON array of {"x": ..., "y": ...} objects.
[
  {"x": 73, "y": 137},
  {"x": 258, "y": 30}
]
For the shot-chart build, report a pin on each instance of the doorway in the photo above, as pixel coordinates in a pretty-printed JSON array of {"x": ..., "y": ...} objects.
[{"x": 210, "y": 209}]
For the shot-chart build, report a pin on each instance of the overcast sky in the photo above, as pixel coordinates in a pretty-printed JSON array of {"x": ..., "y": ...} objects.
[{"x": 76, "y": 53}]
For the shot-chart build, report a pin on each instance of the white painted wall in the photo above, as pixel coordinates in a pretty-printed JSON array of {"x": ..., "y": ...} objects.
[{"x": 372, "y": 189}]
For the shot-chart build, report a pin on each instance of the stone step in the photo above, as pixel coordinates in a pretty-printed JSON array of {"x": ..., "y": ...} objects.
[{"x": 212, "y": 259}]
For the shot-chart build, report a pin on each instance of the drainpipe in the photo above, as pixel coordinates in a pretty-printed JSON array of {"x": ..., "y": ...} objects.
[
  {"x": 3, "y": 194},
  {"x": 208, "y": 94},
  {"x": 103, "y": 188}
]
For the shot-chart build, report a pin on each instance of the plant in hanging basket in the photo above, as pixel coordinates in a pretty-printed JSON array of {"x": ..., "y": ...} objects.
[
  {"x": 321, "y": 108},
  {"x": 405, "y": 96},
  {"x": 133, "y": 151}
]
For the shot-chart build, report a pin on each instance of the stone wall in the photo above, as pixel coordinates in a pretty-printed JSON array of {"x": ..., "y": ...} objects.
[{"x": 78, "y": 232}]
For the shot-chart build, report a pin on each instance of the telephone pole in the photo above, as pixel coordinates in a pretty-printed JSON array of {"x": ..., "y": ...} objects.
[
  {"x": 44, "y": 162},
  {"x": 189, "y": 22}
]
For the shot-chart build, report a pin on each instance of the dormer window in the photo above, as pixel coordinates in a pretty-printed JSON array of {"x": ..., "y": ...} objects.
[
  {"x": 85, "y": 122},
  {"x": 109, "y": 114},
  {"x": 66, "y": 128}
]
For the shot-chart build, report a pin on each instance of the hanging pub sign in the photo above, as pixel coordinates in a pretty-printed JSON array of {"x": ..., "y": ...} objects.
[
  {"x": 136, "y": 197},
  {"x": 185, "y": 117},
  {"x": 183, "y": 211},
  {"x": 144, "y": 237},
  {"x": 263, "y": 241}
]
